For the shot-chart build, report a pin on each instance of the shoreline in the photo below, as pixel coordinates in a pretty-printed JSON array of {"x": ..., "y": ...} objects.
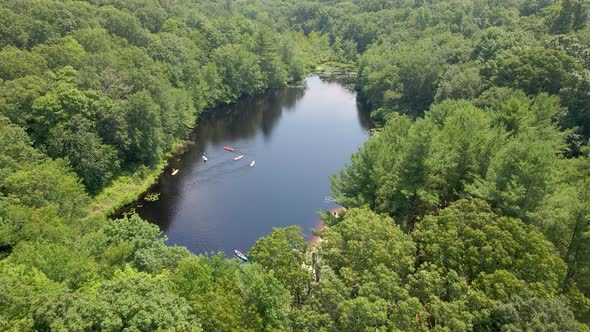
[
  {"x": 316, "y": 239},
  {"x": 128, "y": 188}
]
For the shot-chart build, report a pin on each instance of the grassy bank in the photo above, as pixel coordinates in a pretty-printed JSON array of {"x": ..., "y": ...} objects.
[{"x": 127, "y": 188}]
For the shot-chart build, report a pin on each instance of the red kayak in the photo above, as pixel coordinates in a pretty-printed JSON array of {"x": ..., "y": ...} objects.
[{"x": 228, "y": 148}]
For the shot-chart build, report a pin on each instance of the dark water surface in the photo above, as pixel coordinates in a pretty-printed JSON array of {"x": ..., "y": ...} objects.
[{"x": 298, "y": 137}]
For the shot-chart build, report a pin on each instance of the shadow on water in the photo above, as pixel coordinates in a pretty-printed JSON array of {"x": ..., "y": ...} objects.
[
  {"x": 247, "y": 117},
  {"x": 364, "y": 115}
]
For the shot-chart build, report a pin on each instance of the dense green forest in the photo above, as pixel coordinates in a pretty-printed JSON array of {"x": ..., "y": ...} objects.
[{"x": 467, "y": 210}]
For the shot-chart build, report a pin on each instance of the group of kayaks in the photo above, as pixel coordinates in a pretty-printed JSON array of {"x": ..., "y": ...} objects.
[
  {"x": 227, "y": 148},
  {"x": 230, "y": 149}
]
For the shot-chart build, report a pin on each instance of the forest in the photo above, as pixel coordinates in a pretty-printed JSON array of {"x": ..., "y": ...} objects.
[{"x": 467, "y": 210}]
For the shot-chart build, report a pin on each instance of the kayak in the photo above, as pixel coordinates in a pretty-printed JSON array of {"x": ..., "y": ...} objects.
[
  {"x": 253, "y": 163},
  {"x": 174, "y": 171},
  {"x": 241, "y": 256},
  {"x": 239, "y": 157},
  {"x": 229, "y": 148}
]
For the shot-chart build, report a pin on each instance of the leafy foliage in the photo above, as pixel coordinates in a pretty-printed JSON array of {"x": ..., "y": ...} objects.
[{"x": 467, "y": 210}]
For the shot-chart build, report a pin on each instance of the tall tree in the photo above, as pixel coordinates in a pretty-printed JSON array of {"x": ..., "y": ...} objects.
[{"x": 283, "y": 252}]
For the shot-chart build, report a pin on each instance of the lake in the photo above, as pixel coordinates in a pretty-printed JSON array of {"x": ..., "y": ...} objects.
[{"x": 298, "y": 136}]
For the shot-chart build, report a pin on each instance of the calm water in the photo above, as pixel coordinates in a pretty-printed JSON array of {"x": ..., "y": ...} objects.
[{"x": 298, "y": 137}]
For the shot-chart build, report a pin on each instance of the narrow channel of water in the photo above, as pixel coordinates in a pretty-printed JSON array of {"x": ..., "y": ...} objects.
[{"x": 298, "y": 138}]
